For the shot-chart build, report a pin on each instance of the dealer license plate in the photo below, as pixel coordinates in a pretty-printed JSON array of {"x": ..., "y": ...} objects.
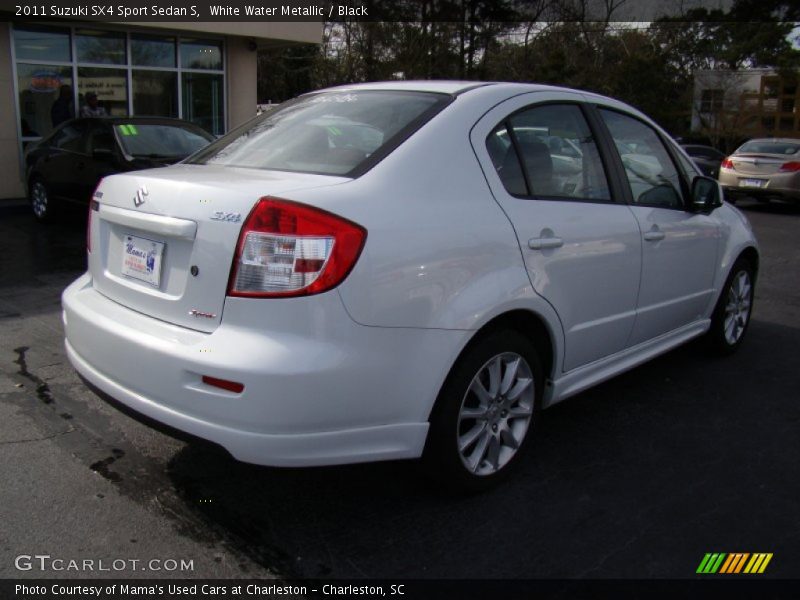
[
  {"x": 751, "y": 183},
  {"x": 141, "y": 259}
]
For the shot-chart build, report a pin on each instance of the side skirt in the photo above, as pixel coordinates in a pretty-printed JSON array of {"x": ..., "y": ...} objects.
[{"x": 581, "y": 378}]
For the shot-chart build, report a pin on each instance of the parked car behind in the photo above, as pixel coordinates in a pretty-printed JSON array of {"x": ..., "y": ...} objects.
[
  {"x": 765, "y": 169},
  {"x": 708, "y": 159},
  {"x": 398, "y": 270},
  {"x": 67, "y": 165}
]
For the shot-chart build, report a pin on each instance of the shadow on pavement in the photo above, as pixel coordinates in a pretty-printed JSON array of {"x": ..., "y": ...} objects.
[
  {"x": 636, "y": 478},
  {"x": 774, "y": 208}
]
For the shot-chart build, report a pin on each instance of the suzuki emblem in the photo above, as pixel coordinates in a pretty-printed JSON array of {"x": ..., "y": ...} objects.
[{"x": 138, "y": 199}]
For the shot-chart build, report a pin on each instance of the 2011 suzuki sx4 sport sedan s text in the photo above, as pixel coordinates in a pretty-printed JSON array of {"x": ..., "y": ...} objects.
[{"x": 405, "y": 269}]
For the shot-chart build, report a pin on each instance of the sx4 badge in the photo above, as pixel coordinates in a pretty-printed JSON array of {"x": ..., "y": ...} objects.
[{"x": 229, "y": 217}]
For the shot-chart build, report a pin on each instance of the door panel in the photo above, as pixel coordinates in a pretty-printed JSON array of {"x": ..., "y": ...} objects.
[
  {"x": 679, "y": 250},
  {"x": 65, "y": 161},
  {"x": 582, "y": 251},
  {"x": 677, "y": 270},
  {"x": 101, "y": 137}
]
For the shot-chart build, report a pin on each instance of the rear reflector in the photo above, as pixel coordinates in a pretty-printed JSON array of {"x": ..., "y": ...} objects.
[
  {"x": 791, "y": 167},
  {"x": 290, "y": 249},
  {"x": 231, "y": 386},
  {"x": 94, "y": 206}
]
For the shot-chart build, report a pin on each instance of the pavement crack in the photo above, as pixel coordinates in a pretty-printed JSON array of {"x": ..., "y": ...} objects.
[{"x": 38, "y": 439}]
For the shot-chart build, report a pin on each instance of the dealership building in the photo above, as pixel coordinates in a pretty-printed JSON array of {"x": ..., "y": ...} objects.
[{"x": 201, "y": 72}]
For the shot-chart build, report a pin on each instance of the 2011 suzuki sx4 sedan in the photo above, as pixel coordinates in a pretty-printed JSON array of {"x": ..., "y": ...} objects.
[{"x": 401, "y": 270}]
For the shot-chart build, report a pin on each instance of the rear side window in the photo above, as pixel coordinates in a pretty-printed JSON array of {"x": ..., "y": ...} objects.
[
  {"x": 548, "y": 151},
  {"x": 331, "y": 133},
  {"x": 160, "y": 141},
  {"x": 71, "y": 137},
  {"x": 101, "y": 138},
  {"x": 770, "y": 147},
  {"x": 652, "y": 175}
]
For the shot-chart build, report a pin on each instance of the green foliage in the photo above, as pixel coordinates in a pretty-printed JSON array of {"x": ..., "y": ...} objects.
[{"x": 650, "y": 66}]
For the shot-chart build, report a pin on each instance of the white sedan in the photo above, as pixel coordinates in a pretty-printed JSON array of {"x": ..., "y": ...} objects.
[{"x": 394, "y": 270}]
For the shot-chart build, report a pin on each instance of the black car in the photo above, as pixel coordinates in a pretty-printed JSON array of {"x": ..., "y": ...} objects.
[
  {"x": 708, "y": 159},
  {"x": 67, "y": 165}
]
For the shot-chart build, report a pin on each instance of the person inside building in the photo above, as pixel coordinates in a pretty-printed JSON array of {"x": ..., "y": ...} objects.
[
  {"x": 62, "y": 108},
  {"x": 92, "y": 108}
]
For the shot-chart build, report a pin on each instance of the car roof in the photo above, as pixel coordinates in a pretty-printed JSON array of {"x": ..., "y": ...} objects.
[
  {"x": 774, "y": 139},
  {"x": 440, "y": 86},
  {"x": 446, "y": 86},
  {"x": 136, "y": 119}
]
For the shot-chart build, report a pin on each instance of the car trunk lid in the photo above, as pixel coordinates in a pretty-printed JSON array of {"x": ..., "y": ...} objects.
[
  {"x": 163, "y": 240},
  {"x": 757, "y": 164}
]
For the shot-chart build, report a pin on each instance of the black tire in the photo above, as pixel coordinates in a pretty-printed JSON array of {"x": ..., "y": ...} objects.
[
  {"x": 720, "y": 339},
  {"x": 442, "y": 457},
  {"x": 39, "y": 197}
]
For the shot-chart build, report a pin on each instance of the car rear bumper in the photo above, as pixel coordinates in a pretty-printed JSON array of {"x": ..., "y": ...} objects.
[
  {"x": 785, "y": 186},
  {"x": 342, "y": 394},
  {"x": 762, "y": 193}
]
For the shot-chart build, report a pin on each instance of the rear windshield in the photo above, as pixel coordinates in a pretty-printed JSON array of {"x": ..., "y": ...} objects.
[
  {"x": 767, "y": 147},
  {"x": 160, "y": 140},
  {"x": 331, "y": 133}
]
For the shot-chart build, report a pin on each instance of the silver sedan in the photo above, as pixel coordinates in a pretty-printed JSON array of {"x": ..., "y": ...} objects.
[{"x": 764, "y": 169}]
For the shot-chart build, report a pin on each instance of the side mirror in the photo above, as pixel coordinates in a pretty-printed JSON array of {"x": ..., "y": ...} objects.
[
  {"x": 103, "y": 153},
  {"x": 705, "y": 195}
]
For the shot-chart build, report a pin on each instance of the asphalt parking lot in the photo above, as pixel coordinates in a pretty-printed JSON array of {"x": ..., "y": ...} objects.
[{"x": 637, "y": 478}]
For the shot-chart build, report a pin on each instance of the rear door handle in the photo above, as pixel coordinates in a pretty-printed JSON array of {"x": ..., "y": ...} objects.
[
  {"x": 544, "y": 243},
  {"x": 654, "y": 235}
]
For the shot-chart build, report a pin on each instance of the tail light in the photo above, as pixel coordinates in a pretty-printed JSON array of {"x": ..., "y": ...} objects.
[
  {"x": 727, "y": 163},
  {"x": 290, "y": 249},
  {"x": 790, "y": 167}
]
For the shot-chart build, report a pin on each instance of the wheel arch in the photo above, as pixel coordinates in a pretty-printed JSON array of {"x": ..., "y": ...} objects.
[
  {"x": 32, "y": 175},
  {"x": 750, "y": 253},
  {"x": 526, "y": 322}
]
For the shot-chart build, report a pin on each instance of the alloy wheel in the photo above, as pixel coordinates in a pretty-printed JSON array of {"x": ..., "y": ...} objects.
[
  {"x": 495, "y": 413},
  {"x": 39, "y": 199},
  {"x": 737, "y": 308}
]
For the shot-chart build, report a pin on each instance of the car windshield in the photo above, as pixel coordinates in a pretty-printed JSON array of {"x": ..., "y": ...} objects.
[
  {"x": 160, "y": 140},
  {"x": 769, "y": 147},
  {"x": 331, "y": 133}
]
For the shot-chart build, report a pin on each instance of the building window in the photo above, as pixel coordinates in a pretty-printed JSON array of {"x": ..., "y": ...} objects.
[
  {"x": 42, "y": 43},
  {"x": 771, "y": 87},
  {"x": 129, "y": 73},
  {"x": 110, "y": 86},
  {"x": 152, "y": 51},
  {"x": 202, "y": 100},
  {"x": 100, "y": 47},
  {"x": 197, "y": 54},
  {"x": 155, "y": 93},
  {"x": 711, "y": 100},
  {"x": 45, "y": 97}
]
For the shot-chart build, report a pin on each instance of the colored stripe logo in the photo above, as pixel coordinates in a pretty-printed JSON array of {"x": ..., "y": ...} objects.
[{"x": 733, "y": 563}]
